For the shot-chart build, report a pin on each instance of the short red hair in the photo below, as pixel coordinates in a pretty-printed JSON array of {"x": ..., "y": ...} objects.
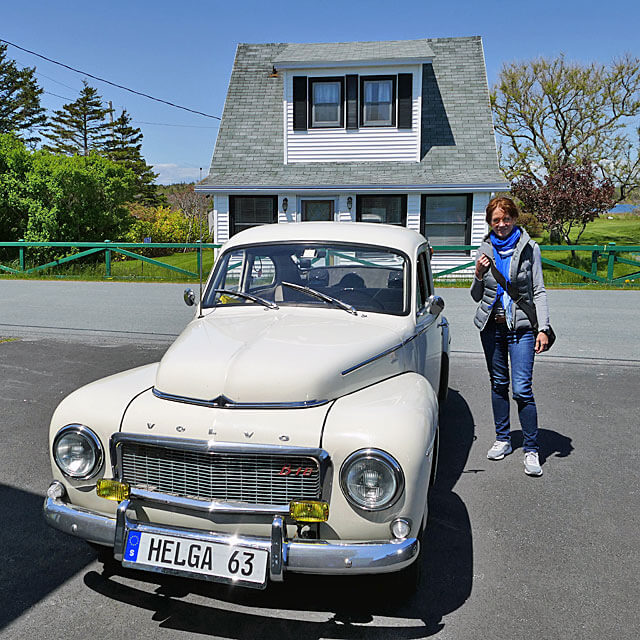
[{"x": 507, "y": 205}]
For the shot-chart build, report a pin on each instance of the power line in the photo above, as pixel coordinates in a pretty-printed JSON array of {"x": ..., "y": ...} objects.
[
  {"x": 56, "y": 95},
  {"x": 113, "y": 84},
  {"x": 166, "y": 124}
]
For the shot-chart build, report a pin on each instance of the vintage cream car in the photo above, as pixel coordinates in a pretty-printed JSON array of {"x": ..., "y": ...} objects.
[{"x": 291, "y": 427}]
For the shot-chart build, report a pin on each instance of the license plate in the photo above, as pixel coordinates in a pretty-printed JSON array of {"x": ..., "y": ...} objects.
[{"x": 188, "y": 556}]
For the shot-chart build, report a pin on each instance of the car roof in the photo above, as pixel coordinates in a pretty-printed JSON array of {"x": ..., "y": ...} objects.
[{"x": 383, "y": 235}]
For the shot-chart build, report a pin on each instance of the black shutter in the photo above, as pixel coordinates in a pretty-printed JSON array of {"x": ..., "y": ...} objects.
[
  {"x": 299, "y": 103},
  {"x": 352, "y": 102},
  {"x": 405, "y": 100}
]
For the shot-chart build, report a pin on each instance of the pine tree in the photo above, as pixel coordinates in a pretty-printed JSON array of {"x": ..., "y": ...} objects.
[
  {"x": 79, "y": 127},
  {"x": 20, "y": 109},
  {"x": 124, "y": 146}
]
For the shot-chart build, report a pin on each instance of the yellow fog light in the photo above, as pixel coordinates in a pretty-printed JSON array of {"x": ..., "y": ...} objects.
[
  {"x": 309, "y": 511},
  {"x": 112, "y": 490}
]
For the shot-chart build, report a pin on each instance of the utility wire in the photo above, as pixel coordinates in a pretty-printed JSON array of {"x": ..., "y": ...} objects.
[
  {"x": 113, "y": 84},
  {"x": 166, "y": 124}
]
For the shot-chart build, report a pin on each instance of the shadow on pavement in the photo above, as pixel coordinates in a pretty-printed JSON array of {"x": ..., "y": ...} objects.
[
  {"x": 349, "y": 603},
  {"x": 551, "y": 443},
  {"x": 39, "y": 559}
]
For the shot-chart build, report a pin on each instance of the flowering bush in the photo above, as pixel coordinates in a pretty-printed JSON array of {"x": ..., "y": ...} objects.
[
  {"x": 567, "y": 199},
  {"x": 161, "y": 224}
]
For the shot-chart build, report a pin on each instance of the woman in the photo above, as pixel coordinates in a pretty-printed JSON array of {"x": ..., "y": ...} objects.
[{"x": 505, "y": 329}]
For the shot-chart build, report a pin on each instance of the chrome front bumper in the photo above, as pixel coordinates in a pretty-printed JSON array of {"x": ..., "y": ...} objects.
[{"x": 308, "y": 556}]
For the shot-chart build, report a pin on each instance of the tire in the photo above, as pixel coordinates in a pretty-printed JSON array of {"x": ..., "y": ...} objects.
[
  {"x": 103, "y": 554},
  {"x": 402, "y": 585},
  {"x": 443, "y": 386},
  {"x": 434, "y": 463}
]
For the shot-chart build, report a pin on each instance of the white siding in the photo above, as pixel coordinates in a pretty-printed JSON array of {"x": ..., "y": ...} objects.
[
  {"x": 220, "y": 218},
  {"x": 364, "y": 144},
  {"x": 413, "y": 211},
  {"x": 291, "y": 214},
  {"x": 344, "y": 215}
]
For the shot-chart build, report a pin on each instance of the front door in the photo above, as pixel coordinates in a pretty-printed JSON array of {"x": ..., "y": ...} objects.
[{"x": 317, "y": 210}]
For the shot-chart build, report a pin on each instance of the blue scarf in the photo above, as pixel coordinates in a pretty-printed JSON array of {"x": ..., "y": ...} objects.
[{"x": 502, "y": 252}]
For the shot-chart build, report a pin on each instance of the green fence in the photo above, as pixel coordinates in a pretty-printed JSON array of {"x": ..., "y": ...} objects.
[
  {"x": 108, "y": 248},
  {"x": 603, "y": 261}
]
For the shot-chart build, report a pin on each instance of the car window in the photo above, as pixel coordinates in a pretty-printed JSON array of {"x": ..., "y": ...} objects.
[
  {"x": 425, "y": 273},
  {"x": 370, "y": 278}
]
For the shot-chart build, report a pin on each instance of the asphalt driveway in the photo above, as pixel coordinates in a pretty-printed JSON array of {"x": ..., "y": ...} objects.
[{"x": 508, "y": 556}]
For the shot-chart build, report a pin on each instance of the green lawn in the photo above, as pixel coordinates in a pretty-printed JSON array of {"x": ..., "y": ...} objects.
[{"x": 622, "y": 229}]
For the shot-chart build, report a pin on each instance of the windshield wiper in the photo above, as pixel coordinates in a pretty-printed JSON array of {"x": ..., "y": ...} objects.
[
  {"x": 248, "y": 296},
  {"x": 322, "y": 296}
]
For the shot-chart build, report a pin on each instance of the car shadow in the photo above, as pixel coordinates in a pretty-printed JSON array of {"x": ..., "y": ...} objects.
[
  {"x": 39, "y": 559},
  {"x": 320, "y": 606}
]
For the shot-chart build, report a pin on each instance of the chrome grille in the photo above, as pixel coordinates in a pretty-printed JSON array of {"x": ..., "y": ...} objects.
[{"x": 255, "y": 478}]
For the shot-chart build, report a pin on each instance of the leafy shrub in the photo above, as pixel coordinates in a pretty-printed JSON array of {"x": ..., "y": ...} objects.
[{"x": 161, "y": 224}]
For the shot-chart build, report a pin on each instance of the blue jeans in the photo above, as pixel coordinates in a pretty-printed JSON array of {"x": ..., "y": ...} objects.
[{"x": 501, "y": 345}]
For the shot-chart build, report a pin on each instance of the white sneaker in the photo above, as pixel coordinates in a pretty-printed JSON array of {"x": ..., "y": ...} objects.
[
  {"x": 532, "y": 464},
  {"x": 499, "y": 450}
]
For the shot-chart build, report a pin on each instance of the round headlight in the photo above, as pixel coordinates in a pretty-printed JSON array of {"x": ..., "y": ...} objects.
[
  {"x": 77, "y": 451},
  {"x": 371, "y": 479}
]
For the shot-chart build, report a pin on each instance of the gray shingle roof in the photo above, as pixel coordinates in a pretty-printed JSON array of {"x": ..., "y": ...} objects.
[
  {"x": 353, "y": 51},
  {"x": 458, "y": 144}
]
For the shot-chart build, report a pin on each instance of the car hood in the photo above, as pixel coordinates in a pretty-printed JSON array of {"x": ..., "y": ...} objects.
[{"x": 260, "y": 356}]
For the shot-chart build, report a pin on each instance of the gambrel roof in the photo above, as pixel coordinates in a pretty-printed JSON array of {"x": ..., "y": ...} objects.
[{"x": 457, "y": 139}]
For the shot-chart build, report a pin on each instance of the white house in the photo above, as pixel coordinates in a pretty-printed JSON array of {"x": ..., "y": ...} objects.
[{"x": 397, "y": 132}]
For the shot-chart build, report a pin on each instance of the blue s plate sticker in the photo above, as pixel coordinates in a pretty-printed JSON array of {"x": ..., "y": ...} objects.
[{"x": 133, "y": 544}]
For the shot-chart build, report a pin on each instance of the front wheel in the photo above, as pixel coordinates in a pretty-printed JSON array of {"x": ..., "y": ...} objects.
[
  {"x": 443, "y": 386},
  {"x": 402, "y": 585}
]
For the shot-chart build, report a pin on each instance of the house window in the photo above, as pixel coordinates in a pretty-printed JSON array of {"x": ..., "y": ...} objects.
[
  {"x": 325, "y": 104},
  {"x": 251, "y": 211},
  {"x": 446, "y": 220},
  {"x": 384, "y": 209},
  {"x": 378, "y": 101}
]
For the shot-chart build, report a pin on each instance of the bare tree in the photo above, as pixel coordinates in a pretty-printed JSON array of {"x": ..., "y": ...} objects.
[
  {"x": 549, "y": 113},
  {"x": 194, "y": 208}
]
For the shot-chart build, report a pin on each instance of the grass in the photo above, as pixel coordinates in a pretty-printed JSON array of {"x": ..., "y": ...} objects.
[{"x": 623, "y": 229}]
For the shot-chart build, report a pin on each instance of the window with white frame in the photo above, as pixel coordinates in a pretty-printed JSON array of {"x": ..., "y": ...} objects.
[
  {"x": 382, "y": 209},
  {"x": 446, "y": 219},
  {"x": 378, "y": 101},
  {"x": 325, "y": 104}
]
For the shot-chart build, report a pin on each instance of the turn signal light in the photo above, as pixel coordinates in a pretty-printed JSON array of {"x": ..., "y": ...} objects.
[
  {"x": 112, "y": 490},
  {"x": 309, "y": 511}
]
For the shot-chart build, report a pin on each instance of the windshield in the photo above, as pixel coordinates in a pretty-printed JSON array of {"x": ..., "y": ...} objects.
[{"x": 364, "y": 277}]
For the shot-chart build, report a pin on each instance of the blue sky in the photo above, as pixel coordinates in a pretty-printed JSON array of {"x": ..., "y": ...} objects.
[{"x": 183, "y": 51}]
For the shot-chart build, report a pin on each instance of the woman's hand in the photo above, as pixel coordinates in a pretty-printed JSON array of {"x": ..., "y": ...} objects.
[
  {"x": 482, "y": 265},
  {"x": 542, "y": 342}
]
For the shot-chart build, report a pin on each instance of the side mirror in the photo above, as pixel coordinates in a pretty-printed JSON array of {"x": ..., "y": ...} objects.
[
  {"x": 189, "y": 297},
  {"x": 435, "y": 305}
]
